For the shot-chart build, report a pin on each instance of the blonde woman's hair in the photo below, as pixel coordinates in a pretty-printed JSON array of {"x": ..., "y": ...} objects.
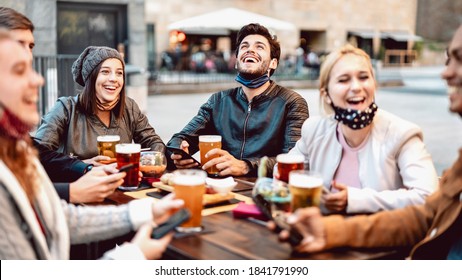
[{"x": 326, "y": 69}]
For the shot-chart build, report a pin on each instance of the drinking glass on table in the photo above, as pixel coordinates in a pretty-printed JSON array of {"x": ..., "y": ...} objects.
[
  {"x": 287, "y": 163},
  {"x": 276, "y": 192},
  {"x": 207, "y": 143},
  {"x": 152, "y": 165},
  {"x": 306, "y": 188},
  {"x": 106, "y": 147},
  {"x": 189, "y": 185},
  {"x": 129, "y": 154}
]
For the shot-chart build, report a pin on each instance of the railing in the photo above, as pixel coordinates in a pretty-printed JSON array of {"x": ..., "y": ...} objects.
[
  {"x": 399, "y": 57},
  {"x": 56, "y": 71}
]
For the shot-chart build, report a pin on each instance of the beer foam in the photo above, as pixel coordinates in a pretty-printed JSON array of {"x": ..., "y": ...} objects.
[
  {"x": 288, "y": 158},
  {"x": 108, "y": 138},
  {"x": 209, "y": 138},
  {"x": 304, "y": 181},
  {"x": 188, "y": 180},
  {"x": 128, "y": 148}
]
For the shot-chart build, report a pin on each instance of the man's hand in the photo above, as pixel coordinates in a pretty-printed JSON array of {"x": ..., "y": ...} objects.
[
  {"x": 178, "y": 160},
  {"x": 308, "y": 222},
  {"x": 226, "y": 163}
]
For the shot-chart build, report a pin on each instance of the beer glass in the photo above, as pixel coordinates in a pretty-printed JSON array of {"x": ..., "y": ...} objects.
[
  {"x": 106, "y": 147},
  {"x": 305, "y": 188},
  {"x": 189, "y": 185},
  {"x": 152, "y": 165},
  {"x": 129, "y": 154},
  {"x": 207, "y": 143},
  {"x": 287, "y": 163}
]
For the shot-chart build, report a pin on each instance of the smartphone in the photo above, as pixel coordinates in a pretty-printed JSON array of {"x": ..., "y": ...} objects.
[
  {"x": 183, "y": 154},
  {"x": 295, "y": 237},
  {"x": 127, "y": 167},
  {"x": 175, "y": 220}
]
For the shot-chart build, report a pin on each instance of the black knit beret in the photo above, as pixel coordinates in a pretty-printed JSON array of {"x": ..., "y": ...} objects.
[{"x": 89, "y": 59}]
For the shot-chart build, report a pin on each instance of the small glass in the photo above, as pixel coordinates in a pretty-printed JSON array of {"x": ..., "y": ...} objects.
[
  {"x": 152, "y": 165},
  {"x": 276, "y": 192}
]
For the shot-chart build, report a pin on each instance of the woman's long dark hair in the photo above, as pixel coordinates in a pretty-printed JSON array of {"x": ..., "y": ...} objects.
[
  {"x": 18, "y": 156},
  {"x": 87, "y": 100}
]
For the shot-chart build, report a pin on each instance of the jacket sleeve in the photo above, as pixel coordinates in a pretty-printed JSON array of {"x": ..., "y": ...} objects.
[
  {"x": 144, "y": 133},
  {"x": 52, "y": 130},
  {"x": 403, "y": 227},
  {"x": 59, "y": 167},
  {"x": 296, "y": 114},
  {"x": 418, "y": 176},
  {"x": 89, "y": 224}
]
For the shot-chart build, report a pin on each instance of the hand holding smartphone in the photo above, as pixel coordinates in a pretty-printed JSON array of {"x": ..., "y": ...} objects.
[
  {"x": 184, "y": 155},
  {"x": 174, "y": 221},
  {"x": 295, "y": 237}
]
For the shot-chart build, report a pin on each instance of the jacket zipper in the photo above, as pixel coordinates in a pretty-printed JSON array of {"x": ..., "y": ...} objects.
[{"x": 249, "y": 108}]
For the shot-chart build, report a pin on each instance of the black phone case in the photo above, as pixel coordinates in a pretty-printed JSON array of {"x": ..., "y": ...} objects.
[
  {"x": 295, "y": 237},
  {"x": 175, "y": 220},
  {"x": 184, "y": 154},
  {"x": 127, "y": 167}
]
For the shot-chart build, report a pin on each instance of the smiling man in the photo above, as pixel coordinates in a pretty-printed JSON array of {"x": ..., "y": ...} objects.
[{"x": 259, "y": 118}]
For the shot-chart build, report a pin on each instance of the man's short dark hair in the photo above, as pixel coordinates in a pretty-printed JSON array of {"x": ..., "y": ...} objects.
[
  {"x": 11, "y": 20},
  {"x": 257, "y": 29}
]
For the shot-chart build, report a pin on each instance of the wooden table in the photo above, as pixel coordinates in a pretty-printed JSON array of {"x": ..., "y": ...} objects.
[{"x": 238, "y": 239}]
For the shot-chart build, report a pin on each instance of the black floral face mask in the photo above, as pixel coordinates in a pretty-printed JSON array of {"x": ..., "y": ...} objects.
[{"x": 355, "y": 119}]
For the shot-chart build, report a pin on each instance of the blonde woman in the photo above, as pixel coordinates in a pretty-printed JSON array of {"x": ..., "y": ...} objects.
[{"x": 370, "y": 159}]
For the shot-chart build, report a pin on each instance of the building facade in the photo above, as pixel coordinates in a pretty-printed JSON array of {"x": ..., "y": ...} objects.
[{"x": 64, "y": 28}]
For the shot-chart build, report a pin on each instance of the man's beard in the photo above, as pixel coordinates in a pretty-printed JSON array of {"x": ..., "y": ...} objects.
[{"x": 253, "y": 74}]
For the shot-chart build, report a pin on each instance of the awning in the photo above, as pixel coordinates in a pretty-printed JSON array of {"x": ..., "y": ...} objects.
[
  {"x": 365, "y": 34},
  {"x": 221, "y": 22},
  {"x": 401, "y": 36}
]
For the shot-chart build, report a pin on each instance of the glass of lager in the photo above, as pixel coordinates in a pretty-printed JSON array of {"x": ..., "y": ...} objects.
[
  {"x": 287, "y": 163},
  {"x": 129, "y": 154},
  {"x": 207, "y": 143},
  {"x": 305, "y": 188},
  {"x": 189, "y": 185},
  {"x": 106, "y": 147}
]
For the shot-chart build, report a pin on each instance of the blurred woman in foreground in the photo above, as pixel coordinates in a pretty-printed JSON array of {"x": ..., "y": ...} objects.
[{"x": 34, "y": 223}]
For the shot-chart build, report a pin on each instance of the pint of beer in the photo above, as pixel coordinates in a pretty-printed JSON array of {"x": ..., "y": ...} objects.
[
  {"x": 189, "y": 185},
  {"x": 287, "y": 163},
  {"x": 305, "y": 188},
  {"x": 106, "y": 147},
  {"x": 129, "y": 154},
  {"x": 207, "y": 143}
]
